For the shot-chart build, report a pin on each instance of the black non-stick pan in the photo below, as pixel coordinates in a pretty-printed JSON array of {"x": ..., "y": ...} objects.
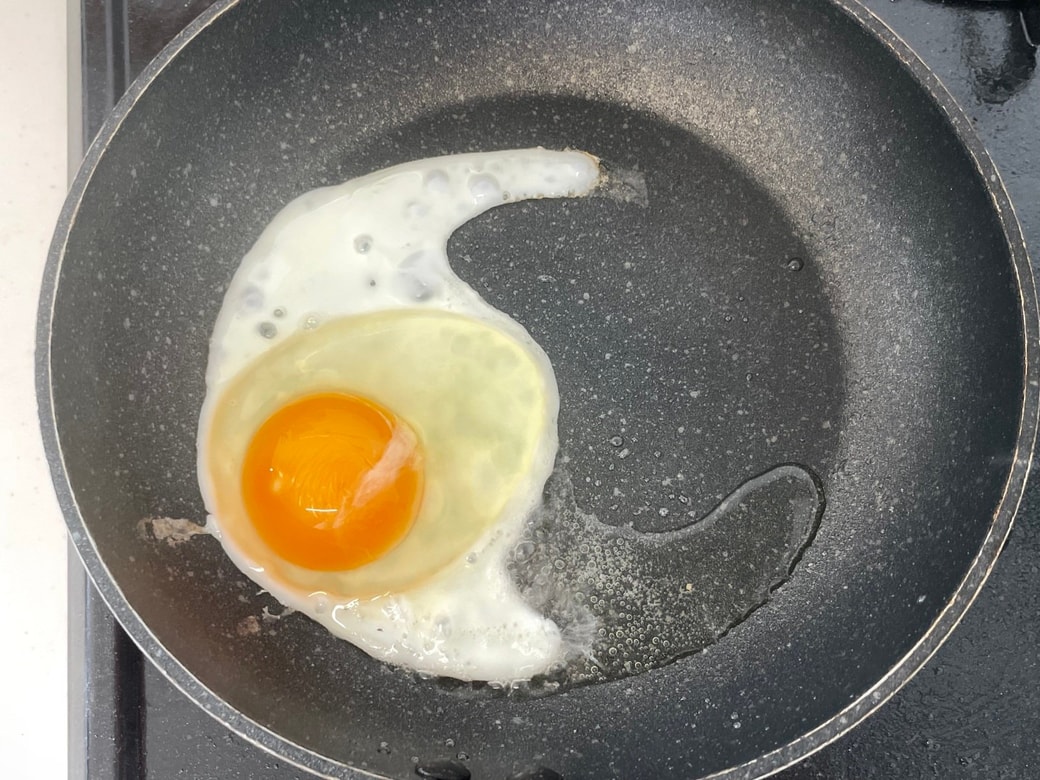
[{"x": 820, "y": 304}]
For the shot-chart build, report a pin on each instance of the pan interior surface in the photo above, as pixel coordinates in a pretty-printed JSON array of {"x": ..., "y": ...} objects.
[{"x": 804, "y": 266}]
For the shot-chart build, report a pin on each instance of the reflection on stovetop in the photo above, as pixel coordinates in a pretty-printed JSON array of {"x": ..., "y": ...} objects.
[{"x": 973, "y": 711}]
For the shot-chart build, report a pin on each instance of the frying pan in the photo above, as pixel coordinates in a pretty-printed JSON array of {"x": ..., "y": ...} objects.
[{"x": 823, "y": 270}]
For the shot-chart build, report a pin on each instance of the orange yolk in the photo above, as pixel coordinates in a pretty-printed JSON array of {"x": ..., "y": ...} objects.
[{"x": 332, "y": 481}]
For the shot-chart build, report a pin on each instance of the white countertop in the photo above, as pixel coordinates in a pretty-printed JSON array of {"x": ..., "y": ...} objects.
[{"x": 33, "y": 175}]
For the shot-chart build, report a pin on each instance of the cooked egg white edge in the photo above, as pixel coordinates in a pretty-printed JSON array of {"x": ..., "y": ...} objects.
[{"x": 380, "y": 242}]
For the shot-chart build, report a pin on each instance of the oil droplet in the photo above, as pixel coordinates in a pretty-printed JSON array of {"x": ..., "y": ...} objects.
[
  {"x": 268, "y": 330},
  {"x": 795, "y": 264},
  {"x": 681, "y": 578}
]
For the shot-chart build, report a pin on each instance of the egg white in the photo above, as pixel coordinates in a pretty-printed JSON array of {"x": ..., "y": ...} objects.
[{"x": 366, "y": 249}]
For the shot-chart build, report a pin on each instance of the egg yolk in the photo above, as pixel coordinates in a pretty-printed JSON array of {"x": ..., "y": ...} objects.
[{"x": 332, "y": 481}]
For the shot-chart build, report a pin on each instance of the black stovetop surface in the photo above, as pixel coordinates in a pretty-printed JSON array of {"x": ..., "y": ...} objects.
[{"x": 972, "y": 712}]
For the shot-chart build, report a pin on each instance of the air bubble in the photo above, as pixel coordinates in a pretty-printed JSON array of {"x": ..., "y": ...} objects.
[
  {"x": 616, "y": 441},
  {"x": 436, "y": 181},
  {"x": 443, "y": 626},
  {"x": 417, "y": 275},
  {"x": 267, "y": 330},
  {"x": 279, "y": 312},
  {"x": 421, "y": 291},
  {"x": 795, "y": 264},
  {"x": 416, "y": 209},
  {"x": 311, "y": 321},
  {"x": 363, "y": 244},
  {"x": 484, "y": 188},
  {"x": 252, "y": 298}
]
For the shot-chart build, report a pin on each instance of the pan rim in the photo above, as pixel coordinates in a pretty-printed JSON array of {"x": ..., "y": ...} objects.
[{"x": 764, "y": 765}]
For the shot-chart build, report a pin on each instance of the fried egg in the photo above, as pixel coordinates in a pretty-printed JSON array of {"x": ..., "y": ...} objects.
[{"x": 374, "y": 434}]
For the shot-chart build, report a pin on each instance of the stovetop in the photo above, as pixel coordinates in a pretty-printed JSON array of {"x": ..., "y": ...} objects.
[{"x": 973, "y": 711}]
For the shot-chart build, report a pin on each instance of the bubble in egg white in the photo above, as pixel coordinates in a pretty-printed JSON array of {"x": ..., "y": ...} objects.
[
  {"x": 252, "y": 299},
  {"x": 416, "y": 209},
  {"x": 485, "y": 189}
]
